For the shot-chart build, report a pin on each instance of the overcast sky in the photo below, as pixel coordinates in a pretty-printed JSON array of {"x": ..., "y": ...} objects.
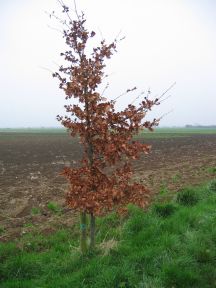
[{"x": 166, "y": 41}]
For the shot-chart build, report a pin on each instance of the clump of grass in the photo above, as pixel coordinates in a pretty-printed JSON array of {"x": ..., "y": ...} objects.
[
  {"x": 35, "y": 211},
  {"x": 107, "y": 246},
  {"x": 164, "y": 210},
  {"x": 54, "y": 207},
  {"x": 163, "y": 188},
  {"x": 187, "y": 196},
  {"x": 109, "y": 227},
  {"x": 164, "y": 193},
  {"x": 2, "y": 229},
  {"x": 212, "y": 170},
  {"x": 176, "y": 178},
  {"x": 212, "y": 186},
  {"x": 28, "y": 225},
  {"x": 150, "y": 282}
]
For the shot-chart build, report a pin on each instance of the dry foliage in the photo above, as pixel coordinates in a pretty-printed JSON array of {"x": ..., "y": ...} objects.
[{"x": 105, "y": 134}]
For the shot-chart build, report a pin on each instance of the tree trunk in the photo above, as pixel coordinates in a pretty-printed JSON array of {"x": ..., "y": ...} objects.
[
  {"x": 92, "y": 231},
  {"x": 83, "y": 226},
  {"x": 90, "y": 155}
]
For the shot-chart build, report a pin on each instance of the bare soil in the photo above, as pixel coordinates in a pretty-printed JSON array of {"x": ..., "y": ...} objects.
[{"x": 30, "y": 166}]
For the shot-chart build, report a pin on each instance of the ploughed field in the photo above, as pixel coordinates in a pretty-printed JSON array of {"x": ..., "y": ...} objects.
[{"x": 32, "y": 191}]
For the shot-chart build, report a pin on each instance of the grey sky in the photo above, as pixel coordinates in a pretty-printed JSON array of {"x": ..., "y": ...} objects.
[{"x": 166, "y": 41}]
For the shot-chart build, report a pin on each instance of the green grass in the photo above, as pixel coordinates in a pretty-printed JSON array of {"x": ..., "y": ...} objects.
[
  {"x": 211, "y": 170},
  {"x": 188, "y": 196},
  {"x": 35, "y": 211},
  {"x": 186, "y": 130},
  {"x": 176, "y": 132},
  {"x": 33, "y": 130},
  {"x": 176, "y": 178},
  {"x": 158, "y": 132},
  {"x": 54, "y": 207},
  {"x": 170, "y": 245},
  {"x": 2, "y": 229}
]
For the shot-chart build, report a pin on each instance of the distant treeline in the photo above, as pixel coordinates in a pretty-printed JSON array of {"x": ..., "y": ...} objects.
[{"x": 200, "y": 126}]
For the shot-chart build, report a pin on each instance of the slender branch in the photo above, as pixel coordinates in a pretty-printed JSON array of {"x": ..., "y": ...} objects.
[
  {"x": 56, "y": 29},
  {"x": 128, "y": 90},
  {"x": 165, "y": 99},
  {"x": 107, "y": 75},
  {"x": 119, "y": 35},
  {"x": 106, "y": 87},
  {"x": 44, "y": 68},
  {"x": 165, "y": 114},
  {"x": 56, "y": 64},
  {"x": 101, "y": 34},
  {"x": 168, "y": 89},
  {"x": 75, "y": 7},
  {"x": 63, "y": 22},
  {"x": 137, "y": 97}
]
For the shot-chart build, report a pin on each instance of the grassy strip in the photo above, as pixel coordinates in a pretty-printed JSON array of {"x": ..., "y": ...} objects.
[
  {"x": 186, "y": 130},
  {"x": 33, "y": 130},
  {"x": 170, "y": 245},
  {"x": 158, "y": 132},
  {"x": 176, "y": 132}
]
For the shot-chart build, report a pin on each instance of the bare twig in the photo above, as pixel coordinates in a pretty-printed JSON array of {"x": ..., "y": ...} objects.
[
  {"x": 44, "y": 68},
  {"x": 128, "y": 90},
  {"x": 101, "y": 34},
  {"x": 56, "y": 29},
  {"x": 56, "y": 64},
  {"x": 63, "y": 22},
  {"x": 165, "y": 99},
  {"x": 75, "y": 7},
  {"x": 138, "y": 97},
  {"x": 165, "y": 114},
  {"x": 118, "y": 35},
  {"x": 168, "y": 89},
  {"x": 106, "y": 87}
]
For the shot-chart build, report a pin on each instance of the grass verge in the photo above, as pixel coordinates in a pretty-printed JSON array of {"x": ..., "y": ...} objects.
[{"x": 170, "y": 245}]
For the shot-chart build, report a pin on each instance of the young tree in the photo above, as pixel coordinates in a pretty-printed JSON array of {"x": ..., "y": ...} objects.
[{"x": 103, "y": 180}]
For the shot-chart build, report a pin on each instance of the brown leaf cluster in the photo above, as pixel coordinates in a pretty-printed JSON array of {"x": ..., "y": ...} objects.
[{"x": 93, "y": 191}]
